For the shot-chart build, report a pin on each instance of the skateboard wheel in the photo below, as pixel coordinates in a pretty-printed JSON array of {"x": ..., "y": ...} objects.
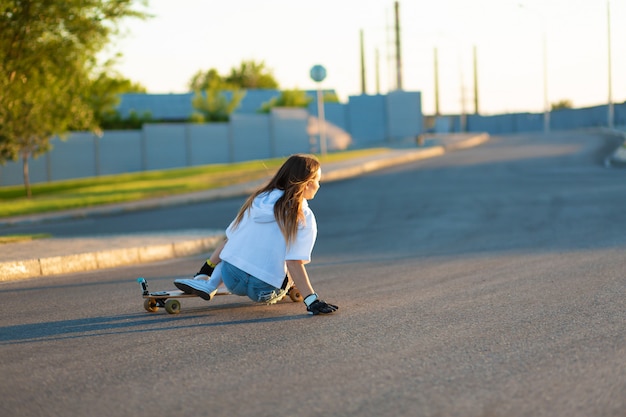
[
  {"x": 150, "y": 305},
  {"x": 172, "y": 306},
  {"x": 295, "y": 295}
]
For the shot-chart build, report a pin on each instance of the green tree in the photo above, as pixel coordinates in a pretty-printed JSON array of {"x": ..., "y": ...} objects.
[
  {"x": 562, "y": 104},
  {"x": 134, "y": 120},
  {"x": 212, "y": 105},
  {"x": 251, "y": 75},
  {"x": 47, "y": 58},
  {"x": 202, "y": 80},
  {"x": 104, "y": 96},
  {"x": 287, "y": 98}
]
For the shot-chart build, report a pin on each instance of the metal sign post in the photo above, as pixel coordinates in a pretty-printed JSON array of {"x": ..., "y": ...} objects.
[{"x": 318, "y": 74}]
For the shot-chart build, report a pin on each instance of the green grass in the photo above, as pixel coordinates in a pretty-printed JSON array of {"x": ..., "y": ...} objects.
[
  {"x": 22, "y": 238},
  {"x": 90, "y": 192}
]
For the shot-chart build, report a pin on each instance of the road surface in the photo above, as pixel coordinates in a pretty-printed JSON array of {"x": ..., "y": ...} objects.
[{"x": 486, "y": 282}]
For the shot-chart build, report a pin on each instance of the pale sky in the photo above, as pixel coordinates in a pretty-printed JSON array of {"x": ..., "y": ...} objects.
[{"x": 290, "y": 36}]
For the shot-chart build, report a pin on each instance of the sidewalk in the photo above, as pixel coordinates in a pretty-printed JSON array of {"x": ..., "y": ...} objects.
[{"x": 45, "y": 257}]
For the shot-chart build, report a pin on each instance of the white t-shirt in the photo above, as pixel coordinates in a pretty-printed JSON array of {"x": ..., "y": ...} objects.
[{"x": 257, "y": 245}]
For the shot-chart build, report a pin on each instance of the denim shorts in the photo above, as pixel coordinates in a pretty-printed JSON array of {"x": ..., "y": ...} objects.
[{"x": 240, "y": 282}]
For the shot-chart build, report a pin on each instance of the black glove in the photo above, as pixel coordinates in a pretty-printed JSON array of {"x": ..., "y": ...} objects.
[
  {"x": 316, "y": 306},
  {"x": 205, "y": 270}
]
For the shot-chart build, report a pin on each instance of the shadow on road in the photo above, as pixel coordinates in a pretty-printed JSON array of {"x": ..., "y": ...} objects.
[{"x": 115, "y": 325}]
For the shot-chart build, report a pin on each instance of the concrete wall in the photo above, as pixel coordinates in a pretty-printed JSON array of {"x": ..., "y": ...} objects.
[
  {"x": 164, "y": 146},
  {"x": 209, "y": 143},
  {"x": 578, "y": 118},
  {"x": 289, "y": 130},
  {"x": 367, "y": 119},
  {"x": 565, "y": 119},
  {"x": 335, "y": 113},
  {"x": 362, "y": 122},
  {"x": 404, "y": 115},
  {"x": 504, "y": 123},
  {"x": 178, "y": 107},
  {"x": 118, "y": 151},
  {"x": 168, "y": 145},
  {"x": 250, "y": 137}
]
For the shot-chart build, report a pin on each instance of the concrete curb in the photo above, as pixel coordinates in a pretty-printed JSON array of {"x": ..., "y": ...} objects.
[
  {"x": 375, "y": 165},
  {"x": 127, "y": 251},
  {"x": 468, "y": 143},
  {"x": 107, "y": 258}
]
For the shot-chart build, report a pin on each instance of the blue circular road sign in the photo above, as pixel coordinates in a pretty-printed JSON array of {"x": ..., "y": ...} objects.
[{"x": 318, "y": 73}]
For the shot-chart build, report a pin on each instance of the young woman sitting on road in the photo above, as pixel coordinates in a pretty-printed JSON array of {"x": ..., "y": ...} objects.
[{"x": 269, "y": 242}]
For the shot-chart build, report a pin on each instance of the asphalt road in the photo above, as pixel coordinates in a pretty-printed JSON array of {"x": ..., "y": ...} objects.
[{"x": 486, "y": 282}]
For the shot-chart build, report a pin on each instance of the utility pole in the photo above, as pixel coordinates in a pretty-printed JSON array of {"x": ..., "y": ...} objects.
[
  {"x": 437, "y": 113},
  {"x": 377, "y": 72},
  {"x": 398, "y": 50},
  {"x": 463, "y": 110},
  {"x": 475, "y": 81},
  {"x": 363, "y": 88}
]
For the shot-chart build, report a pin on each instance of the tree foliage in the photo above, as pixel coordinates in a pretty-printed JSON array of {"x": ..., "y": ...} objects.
[
  {"x": 249, "y": 76},
  {"x": 287, "y": 98},
  {"x": 252, "y": 75},
  {"x": 134, "y": 120},
  {"x": 203, "y": 80},
  {"x": 562, "y": 104},
  {"x": 217, "y": 97},
  {"x": 104, "y": 97},
  {"x": 47, "y": 59},
  {"x": 213, "y": 106}
]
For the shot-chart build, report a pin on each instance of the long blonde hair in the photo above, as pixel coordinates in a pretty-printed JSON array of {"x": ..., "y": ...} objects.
[{"x": 292, "y": 177}]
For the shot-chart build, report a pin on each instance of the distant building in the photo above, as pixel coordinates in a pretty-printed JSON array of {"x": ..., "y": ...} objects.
[{"x": 178, "y": 107}]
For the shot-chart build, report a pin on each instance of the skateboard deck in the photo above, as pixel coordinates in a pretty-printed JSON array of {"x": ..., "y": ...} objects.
[{"x": 169, "y": 299}]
